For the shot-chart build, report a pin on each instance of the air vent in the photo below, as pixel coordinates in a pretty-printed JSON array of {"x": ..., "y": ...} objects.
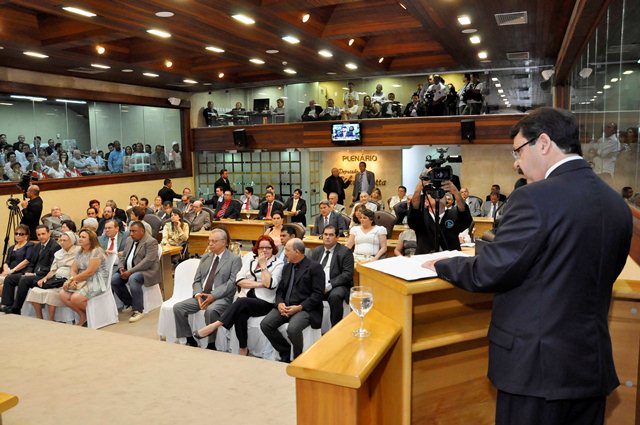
[
  {"x": 84, "y": 70},
  {"x": 515, "y": 18},
  {"x": 624, "y": 48},
  {"x": 518, "y": 56}
]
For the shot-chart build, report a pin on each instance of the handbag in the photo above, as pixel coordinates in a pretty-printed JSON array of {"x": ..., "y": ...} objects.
[{"x": 54, "y": 282}]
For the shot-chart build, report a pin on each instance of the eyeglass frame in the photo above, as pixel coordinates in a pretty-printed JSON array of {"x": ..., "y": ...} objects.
[{"x": 515, "y": 152}]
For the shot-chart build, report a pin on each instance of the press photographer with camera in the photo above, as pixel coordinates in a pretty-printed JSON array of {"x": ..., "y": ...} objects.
[
  {"x": 31, "y": 210},
  {"x": 437, "y": 229}
]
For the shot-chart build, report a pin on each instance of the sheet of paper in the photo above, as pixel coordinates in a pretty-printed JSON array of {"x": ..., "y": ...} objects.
[{"x": 410, "y": 268}]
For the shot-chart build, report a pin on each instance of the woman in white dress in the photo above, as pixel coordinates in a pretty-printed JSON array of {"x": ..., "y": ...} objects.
[{"x": 368, "y": 241}]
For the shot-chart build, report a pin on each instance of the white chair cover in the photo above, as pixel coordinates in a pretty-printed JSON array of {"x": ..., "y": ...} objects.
[
  {"x": 63, "y": 314},
  {"x": 326, "y": 315},
  {"x": 257, "y": 342},
  {"x": 101, "y": 309},
  {"x": 182, "y": 289}
]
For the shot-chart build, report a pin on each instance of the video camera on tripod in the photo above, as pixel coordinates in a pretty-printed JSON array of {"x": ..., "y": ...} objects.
[{"x": 436, "y": 173}]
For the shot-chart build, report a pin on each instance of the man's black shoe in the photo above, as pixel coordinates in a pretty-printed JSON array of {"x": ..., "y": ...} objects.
[{"x": 192, "y": 342}]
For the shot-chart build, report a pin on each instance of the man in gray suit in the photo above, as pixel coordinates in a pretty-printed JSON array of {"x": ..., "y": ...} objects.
[
  {"x": 326, "y": 218},
  {"x": 365, "y": 181},
  {"x": 139, "y": 266},
  {"x": 113, "y": 240},
  {"x": 213, "y": 288},
  {"x": 337, "y": 261},
  {"x": 54, "y": 221},
  {"x": 198, "y": 219},
  {"x": 492, "y": 208},
  {"x": 473, "y": 202}
]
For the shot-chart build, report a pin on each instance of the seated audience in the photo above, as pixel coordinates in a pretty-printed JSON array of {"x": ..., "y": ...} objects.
[
  {"x": 333, "y": 203},
  {"x": 137, "y": 214},
  {"x": 378, "y": 95},
  {"x": 473, "y": 202},
  {"x": 415, "y": 108},
  {"x": 331, "y": 112},
  {"x": 338, "y": 265},
  {"x": 68, "y": 226},
  {"x": 365, "y": 202},
  {"x": 368, "y": 241},
  {"x": 492, "y": 208},
  {"x": 16, "y": 264},
  {"x": 407, "y": 244},
  {"x": 54, "y": 221},
  {"x": 216, "y": 198},
  {"x": 144, "y": 203},
  {"x": 198, "y": 219},
  {"x": 297, "y": 208},
  {"x": 274, "y": 230},
  {"x": 328, "y": 217},
  {"x": 350, "y": 110},
  {"x": 88, "y": 276},
  {"x": 396, "y": 199},
  {"x": 138, "y": 266},
  {"x": 90, "y": 223},
  {"x": 376, "y": 198},
  {"x": 298, "y": 301},
  {"x": 391, "y": 108},
  {"x": 185, "y": 205},
  {"x": 269, "y": 206},
  {"x": 158, "y": 206},
  {"x": 113, "y": 239},
  {"x": 176, "y": 231},
  {"x": 227, "y": 208},
  {"x": 95, "y": 204},
  {"x": 257, "y": 280},
  {"x": 311, "y": 112},
  {"x": 271, "y": 189},
  {"x": 496, "y": 188},
  {"x": 108, "y": 214},
  {"x": 248, "y": 200},
  {"x": 213, "y": 287}
]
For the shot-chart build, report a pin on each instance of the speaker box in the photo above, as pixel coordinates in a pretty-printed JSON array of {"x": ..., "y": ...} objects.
[
  {"x": 468, "y": 130},
  {"x": 240, "y": 138}
]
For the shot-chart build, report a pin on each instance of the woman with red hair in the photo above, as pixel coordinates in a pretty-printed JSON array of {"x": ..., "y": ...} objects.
[{"x": 257, "y": 282}]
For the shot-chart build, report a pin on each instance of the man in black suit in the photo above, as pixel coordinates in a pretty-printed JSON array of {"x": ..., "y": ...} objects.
[
  {"x": 496, "y": 188},
  {"x": 451, "y": 221},
  {"x": 335, "y": 184},
  {"x": 167, "y": 193},
  {"x": 552, "y": 265},
  {"x": 223, "y": 181},
  {"x": 269, "y": 206},
  {"x": 227, "y": 208},
  {"x": 298, "y": 301},
  {"x": 365, "y": 182},
  {"x": 312, "y": 112},
  {"x": 108, "y": 214},
  {"x": 327, "y": 217},
  {"x": 297, "y": 208},
  {"x": 210, "y": 114},
  {"x": 337, "y": 261},
  {"x": 32, "y": 210},
  {"x": 39, "y": 265}
]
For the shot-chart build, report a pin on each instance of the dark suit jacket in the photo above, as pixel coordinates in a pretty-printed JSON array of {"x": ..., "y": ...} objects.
[
  {"x": 262, "y": 211},
  {"x": 335, "y": 219},
  {"x": 305, "y": 114},
  {"x": 308, "y": 288},
  {"x": 41, "y": 259},
  {"x": 501, "y": 198},
  {"x": 371, "y": 178},
  {"x": 231, "y": 212},
  {"x": 221, "y": 183},
  {"x": 337, "y": 185},
  {"x": 341, "y": 267},
  {"x": 552, "y": 266},
  {"x": 301, "y": 208},
  {"x": 168, "y": 194},
  {"x": 31, "y": 216},
  {"x": 451, "y": 224},
  {"x": 145, "y": 259},
  {"x": 420, "y": 109}
]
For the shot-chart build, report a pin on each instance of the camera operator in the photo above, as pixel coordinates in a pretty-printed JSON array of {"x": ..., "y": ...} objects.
[
  {"x": 421, "y": 218},
  {"x": 32, "y": 210}
]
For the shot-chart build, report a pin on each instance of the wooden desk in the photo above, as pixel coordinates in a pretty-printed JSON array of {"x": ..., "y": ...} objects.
[
  {"x": 167, "y": 269},
  {"x": 7, "y": 401},
  {"x": 482, "y": 225}
]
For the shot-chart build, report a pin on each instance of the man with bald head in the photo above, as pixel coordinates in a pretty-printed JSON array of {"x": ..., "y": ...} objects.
[
  {"x": 198, "y": 219},
  {"x": 32, "y": 210},
  {"x": 54, "y": 221},
  {"x": 336, "y": 184}
]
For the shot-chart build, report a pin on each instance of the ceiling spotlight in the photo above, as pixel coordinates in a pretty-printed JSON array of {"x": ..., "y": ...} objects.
[
  {"x": 402, "y": 6},
  {"x": 599, "y": 92},
  {"x": 474, "y": 39},
  {"x": 127, "y": 70},
  {"x": 469, "y": 31},
  {"x": 159, "y": 33},
  {"x": 351, "y": 41},
  {"x": 325, "y": 53},
  {"x": 606, "y": 87},
  {"x": 291, "y": 39},
  {"x": 482, "y": 55},
  {"x": 290, "y": 71},
  {"x": 189, "y": 81},
  {"x": 221, "y": 75},
  {"x": 503, "y": 95},
  {"x": 547, "y": 73},
  {"x": 99, "y": 66},
  {"x": 464, "y": 20},
  {"x": 498, "y": 85},
  {"x": 381, "y": 60},
  {"x": 585, "y": 72},
  {"x": 256, "y": 61},
  {"x": 627, "y": 72},
  {"x": 305, "y": 17},
  {"x": 36, "y": 55},
  {"x": 164, "y": 14},
  {"x": 614, "y": 80},
  {"x": 272, "y": 51},
  {"x": 285, "y": 63},
  {"x": 79, "y": 11},
  {"x": 100, "y": 50},
  {"x": 352, "y": 66},
  {"x": 243, "y": 18},
  {"x": 214, "y": 49},
  {"x": 494, "y": 79},
  {"x": 168, "y": 63},
  {"x": 150, "y": 74}
]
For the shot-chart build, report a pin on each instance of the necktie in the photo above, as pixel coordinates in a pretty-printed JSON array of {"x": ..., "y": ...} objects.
[
  {"x": 223, "y": 209},
  {"x": 323, "y": 263},
  {"x": 112, "y": 245},
  {"x": 493, "y": 211},
  {"x": 290, "y": 288},
  {"x": 212, "y": 274},
  {"x": 326, "y": 221},
  {"x": 269, "y": 211},
  {"x": 247, "y": 204}
]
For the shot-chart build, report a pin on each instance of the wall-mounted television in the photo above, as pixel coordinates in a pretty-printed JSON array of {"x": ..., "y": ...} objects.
[{"x": 346, "y": 133}]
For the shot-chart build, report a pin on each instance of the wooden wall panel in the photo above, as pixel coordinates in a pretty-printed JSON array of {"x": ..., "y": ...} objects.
[{"x": 490, "y": 129}]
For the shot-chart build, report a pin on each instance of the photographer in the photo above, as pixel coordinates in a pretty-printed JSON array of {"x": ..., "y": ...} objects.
[
  {"x": 451, "y": 221},
  {"x": 32, "y": 210}
]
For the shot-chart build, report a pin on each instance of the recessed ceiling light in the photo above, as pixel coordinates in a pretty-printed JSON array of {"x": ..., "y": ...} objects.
[
  {"x": 272, "y": 51},
  {"x": 325, "y": 53},
  {"x": 396, "y": 85},
  {"x": 599, "y": 92},
  {"x": 351, "y": 66},
  {"x": 36, "y": 55},
  {"x": 291, "y": 39},
  {"x": 381, "y": 60},
  {"x": 79, "y": 11},
  {"x": 331, "y": 73},
  {"x": 31, "y": 98},
  {"x": 290, "y": 71},
  {"x": 79, "y": 102},
  {"x": 189, "y": 81},
  {"x": 243, "y": 18},
  {"x": 485, "y": 61},
  {"x": 464, "y": 20},
  {"x": 503, "y": 95},
  {"x": 168, "y": 63},
  {"x": 159, "y": 33},
  {"x": 614, "y": 80},
  {"x": 628, "y": 72},
  {"x": 100, "y": 66},
  {"x": 221, "y": 75},
  {"x": 164, "y": 14},
  {"x": 498, "y": 85},
  {"x": 482, "y": 55},
  {"x": 500, "y": 91},
  {"x": 638, "y": 60},
  {"x": 256, "y": 61},
  {"x": 1, "y": 48},
  {"x": 127, "y": 70},
  {"x": 214, "y": 49},
  {"x": 100, "y": 50},
  {"x": 403, "y": 6},
  {"x": 606, "y": 87},
  {"x": 469, "y": 31},
  {"x": 305, "y": 17},
  {"x": 474, "y": 39},
  {"x": 6, "y": 104},
  {"x": 351, "y": 41},
  {"x": 207, "y": 84},
  {"x": 150, "y": 74},
  {"x": 494, "y": 78}
]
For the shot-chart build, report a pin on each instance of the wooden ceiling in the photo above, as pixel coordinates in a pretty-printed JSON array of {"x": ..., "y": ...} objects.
[{"x": 413, "y": 36}]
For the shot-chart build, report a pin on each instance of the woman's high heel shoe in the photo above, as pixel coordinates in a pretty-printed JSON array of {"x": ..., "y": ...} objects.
[{"x": 196, "y": 335}]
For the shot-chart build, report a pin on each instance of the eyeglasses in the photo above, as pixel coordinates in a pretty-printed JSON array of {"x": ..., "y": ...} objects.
[
  {"x": 20, "y": 234},
  {"x": 516, "y": 151},
  {"x": 265, "y": 247}
]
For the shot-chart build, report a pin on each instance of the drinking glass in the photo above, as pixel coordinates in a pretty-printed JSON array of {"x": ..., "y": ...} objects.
[
  {"x": 361, "y": 301},
  {"x": 248, "y": 212},
  {"x": 345, "y": 233}
]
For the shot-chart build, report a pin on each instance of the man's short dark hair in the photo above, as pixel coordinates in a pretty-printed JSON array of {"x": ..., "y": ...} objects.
[
  {"x": 330, "y": 227},
  {"x": 167, "y": 203},
  {"x": 139, "y": 211},
  {"x": 289, "y": 229},
  {"x": 298, "y": 190},
  {"x": 223, "y": 170},
  {"x": 42, "y": 226},
  {"x": 115, "y": 222},
  {"x": 402, "y": 187},
  {"x": 167, "y": 181},
  {"x": 560, "y": 125},
  {"x": 71, "y": 225},
  {"x": 362, "y": 162},
  {"x": 137, "y": 223},
  {"x": 145, "y": 200},
  {"x": 249, "y": 189}
]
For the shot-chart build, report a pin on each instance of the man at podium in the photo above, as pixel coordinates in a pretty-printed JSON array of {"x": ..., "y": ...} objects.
[{"x": 552, "y": 266}]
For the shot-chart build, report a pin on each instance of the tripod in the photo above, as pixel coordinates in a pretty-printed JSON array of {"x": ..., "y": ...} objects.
[{"x": 15, "y": 216}]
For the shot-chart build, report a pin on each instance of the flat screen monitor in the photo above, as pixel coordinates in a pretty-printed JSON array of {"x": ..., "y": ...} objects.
[
  {"x": 260, "y": 105},
  {"x": 346, "y": 133}
]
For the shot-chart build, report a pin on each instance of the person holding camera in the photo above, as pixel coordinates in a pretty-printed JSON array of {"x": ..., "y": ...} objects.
[
  {"x": 32, "y": 210},
  {"x": 451, "y": 222}
]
